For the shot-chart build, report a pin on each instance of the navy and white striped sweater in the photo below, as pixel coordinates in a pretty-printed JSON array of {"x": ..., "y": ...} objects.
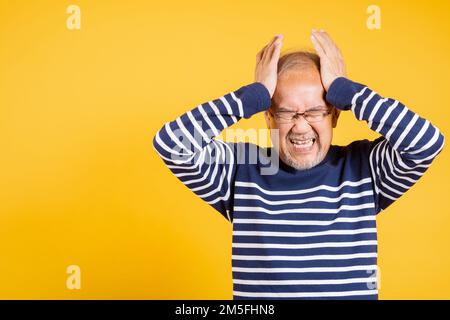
[{"x": 301, "y": 234}]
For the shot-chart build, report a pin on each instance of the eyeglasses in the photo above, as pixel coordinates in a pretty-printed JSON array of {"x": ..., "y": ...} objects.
[{"x": 284, "y": 117}]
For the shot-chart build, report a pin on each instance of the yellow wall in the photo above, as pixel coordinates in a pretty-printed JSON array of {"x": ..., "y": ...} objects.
[{"x": 81, "y": 185}]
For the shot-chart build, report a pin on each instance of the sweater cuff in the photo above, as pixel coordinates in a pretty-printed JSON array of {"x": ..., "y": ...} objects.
[
  {"x": 341, "y": 93},
  {"x": 255, "y": 98}
]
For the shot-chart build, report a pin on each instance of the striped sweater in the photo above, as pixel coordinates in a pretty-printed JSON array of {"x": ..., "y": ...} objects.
[{"x": 307, "y": 234}]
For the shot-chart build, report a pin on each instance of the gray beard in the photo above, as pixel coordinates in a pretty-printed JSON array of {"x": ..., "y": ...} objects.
[{"x": 303, "y": 164}]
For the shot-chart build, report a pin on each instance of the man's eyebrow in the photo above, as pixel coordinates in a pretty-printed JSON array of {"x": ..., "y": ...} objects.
[
  {"x": 284, "y": 109},
  {"x": 317, "y": 108}
]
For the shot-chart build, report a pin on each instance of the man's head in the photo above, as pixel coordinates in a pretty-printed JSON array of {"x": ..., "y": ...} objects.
[{"x": 299, "y": 89}]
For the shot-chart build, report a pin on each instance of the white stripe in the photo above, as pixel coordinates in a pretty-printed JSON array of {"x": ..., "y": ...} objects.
[
  {"x": 295, "y": 192},
  {"x": 197, "y": 126},
  {"x": 303, "y": 234},
  {"x": 392, "y": 170},
  {"x": 388, "y": 196},
  {"x": 375, "y": 110},
  {"x": 298, "y": 201},
  {"x": 195, "y": 165},
  {"x": 417, "y": 173},
  {"x": 305, "y": 246},
  {"x": 366, "y": 101},
  {"x": 229, "y": 110},
  {"x": 432, "y": 156},
  {"x": 305, "y": 210},
  {"x": 377, "y": 160},
  {"x": 184, "y": 160},
  {"x": 303, "y": 270},
  {"x": 186, "y": 174},
  {"x": 239, "y": 103},
  {"x": 399, "y": 159},
  {"x": 223, "y": 176},
  {"x": 162, "y": 144},
  {"x": 204, "y": 175},
  {"x": 219, "y": 152},
  {"x": 306, "y": 258},
  {"x": 406, "y": 131},
  {"x": 387, "y": 187},
  {"x": 372, "y": 167},
  {"x": 369, "y": 279},
  {"x": 356, "y": 96},
  {"x": 208, "y": 121},
  {"x": 218, "y": 114},
  {"x": 386, "y": 115},
  {"x": 175, "y": 139},
  {"x": 388, "y": 177},
  {"x": 394, "y": 126},
  {"x": 305, "y": 294},
  {"x": 188, "y": 135},
  {"x": 380, "y": 159},
  {"x": 418, "y": 136},
  {"x": 304, "y": 222},
  {"x": 230, "y": 170},
  {"x": 428, "y": 145}
]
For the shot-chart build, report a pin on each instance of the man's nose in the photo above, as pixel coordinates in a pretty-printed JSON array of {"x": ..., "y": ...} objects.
[{"x": 301, "y": 125}]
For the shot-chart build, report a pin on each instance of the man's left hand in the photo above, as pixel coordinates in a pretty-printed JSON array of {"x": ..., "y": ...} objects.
[{"x": 332, "y": 64}]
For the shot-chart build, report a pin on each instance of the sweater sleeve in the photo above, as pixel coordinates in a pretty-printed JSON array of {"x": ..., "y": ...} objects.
[
  {"x": 189, "y": 148},
  {"x": 406, "y": 148}
]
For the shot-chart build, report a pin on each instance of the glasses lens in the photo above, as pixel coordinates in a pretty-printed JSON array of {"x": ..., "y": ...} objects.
[
  {"x": 310, "y": 116},
  {"x": 315, "y": 116},
  {"x": 284, "y": 116}
]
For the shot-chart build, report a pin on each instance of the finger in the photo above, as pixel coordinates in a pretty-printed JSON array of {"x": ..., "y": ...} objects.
[
  {"x": 276, "y": 48},
  {"x": 260, "y": 54},
  {"x": 317, "y": 45},
  {"x": 333, "y": 44},
  {"x": 269, "y": 47},
  {"x": 329, "y": 45},
  {"x": 328, "y": 39},
  {"x": 276, "y": 51},
  {"x": 323, "y": 41}
]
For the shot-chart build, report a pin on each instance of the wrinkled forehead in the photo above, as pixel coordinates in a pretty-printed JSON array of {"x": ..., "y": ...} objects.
[{"x": 299, "y": 90}]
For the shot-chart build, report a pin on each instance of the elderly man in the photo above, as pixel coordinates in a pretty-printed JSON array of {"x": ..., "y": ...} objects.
[{"x": 308, "y": 230}]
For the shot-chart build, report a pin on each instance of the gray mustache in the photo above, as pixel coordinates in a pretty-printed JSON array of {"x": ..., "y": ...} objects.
[{"x": 301, "y": 138}]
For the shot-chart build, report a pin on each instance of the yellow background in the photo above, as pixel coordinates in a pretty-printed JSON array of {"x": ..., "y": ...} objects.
[{"x": 80, "y": 183}]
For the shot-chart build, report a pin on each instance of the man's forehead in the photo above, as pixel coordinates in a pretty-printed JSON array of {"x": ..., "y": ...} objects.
[
  {"x": 298, "y": 99},
  {"x": 293, "y": 108},
  {"x": 299, "y": 88}
]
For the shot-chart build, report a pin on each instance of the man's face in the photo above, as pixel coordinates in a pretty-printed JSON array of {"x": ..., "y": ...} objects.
[{"x": 301, "y": 90}]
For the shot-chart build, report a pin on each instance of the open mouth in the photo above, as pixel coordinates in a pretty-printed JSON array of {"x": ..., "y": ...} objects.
[{"x": 303, "y": 145}]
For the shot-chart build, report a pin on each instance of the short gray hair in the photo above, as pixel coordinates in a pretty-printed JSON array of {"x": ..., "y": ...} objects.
[
  {"x": 298, "y": 59},
  {"x": 303, "y": 59}
]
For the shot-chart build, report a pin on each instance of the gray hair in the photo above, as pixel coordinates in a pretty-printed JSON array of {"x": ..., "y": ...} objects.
[
  {"x": 301, "y": 60},
  {"x": 298, "y": 59}
]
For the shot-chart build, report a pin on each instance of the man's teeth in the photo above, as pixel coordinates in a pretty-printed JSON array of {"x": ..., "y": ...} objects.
[{"x": 303, "y": 142}]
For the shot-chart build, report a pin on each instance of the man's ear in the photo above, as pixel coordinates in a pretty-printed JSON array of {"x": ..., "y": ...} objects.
[
  {"x": 335, "y": 114},
  {"x": 267, "y": 116}
]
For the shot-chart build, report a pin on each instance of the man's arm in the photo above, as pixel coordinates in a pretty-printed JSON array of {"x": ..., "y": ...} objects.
[
  {"x": 408, "y": 145},
  {"x": 189, "y": 149},
  {"x": 188, "y": 146}
]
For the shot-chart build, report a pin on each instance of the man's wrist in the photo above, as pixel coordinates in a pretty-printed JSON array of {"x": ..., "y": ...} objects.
[
  {"x": 255, "y": 98},
  {"x": 341, "y": 93}
]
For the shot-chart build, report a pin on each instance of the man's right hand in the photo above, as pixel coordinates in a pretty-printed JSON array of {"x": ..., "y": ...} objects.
[{"x": 267, "y": 64}]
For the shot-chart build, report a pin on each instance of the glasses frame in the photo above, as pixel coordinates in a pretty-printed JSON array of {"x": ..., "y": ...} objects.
[{"x": 296, "y": 116}]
